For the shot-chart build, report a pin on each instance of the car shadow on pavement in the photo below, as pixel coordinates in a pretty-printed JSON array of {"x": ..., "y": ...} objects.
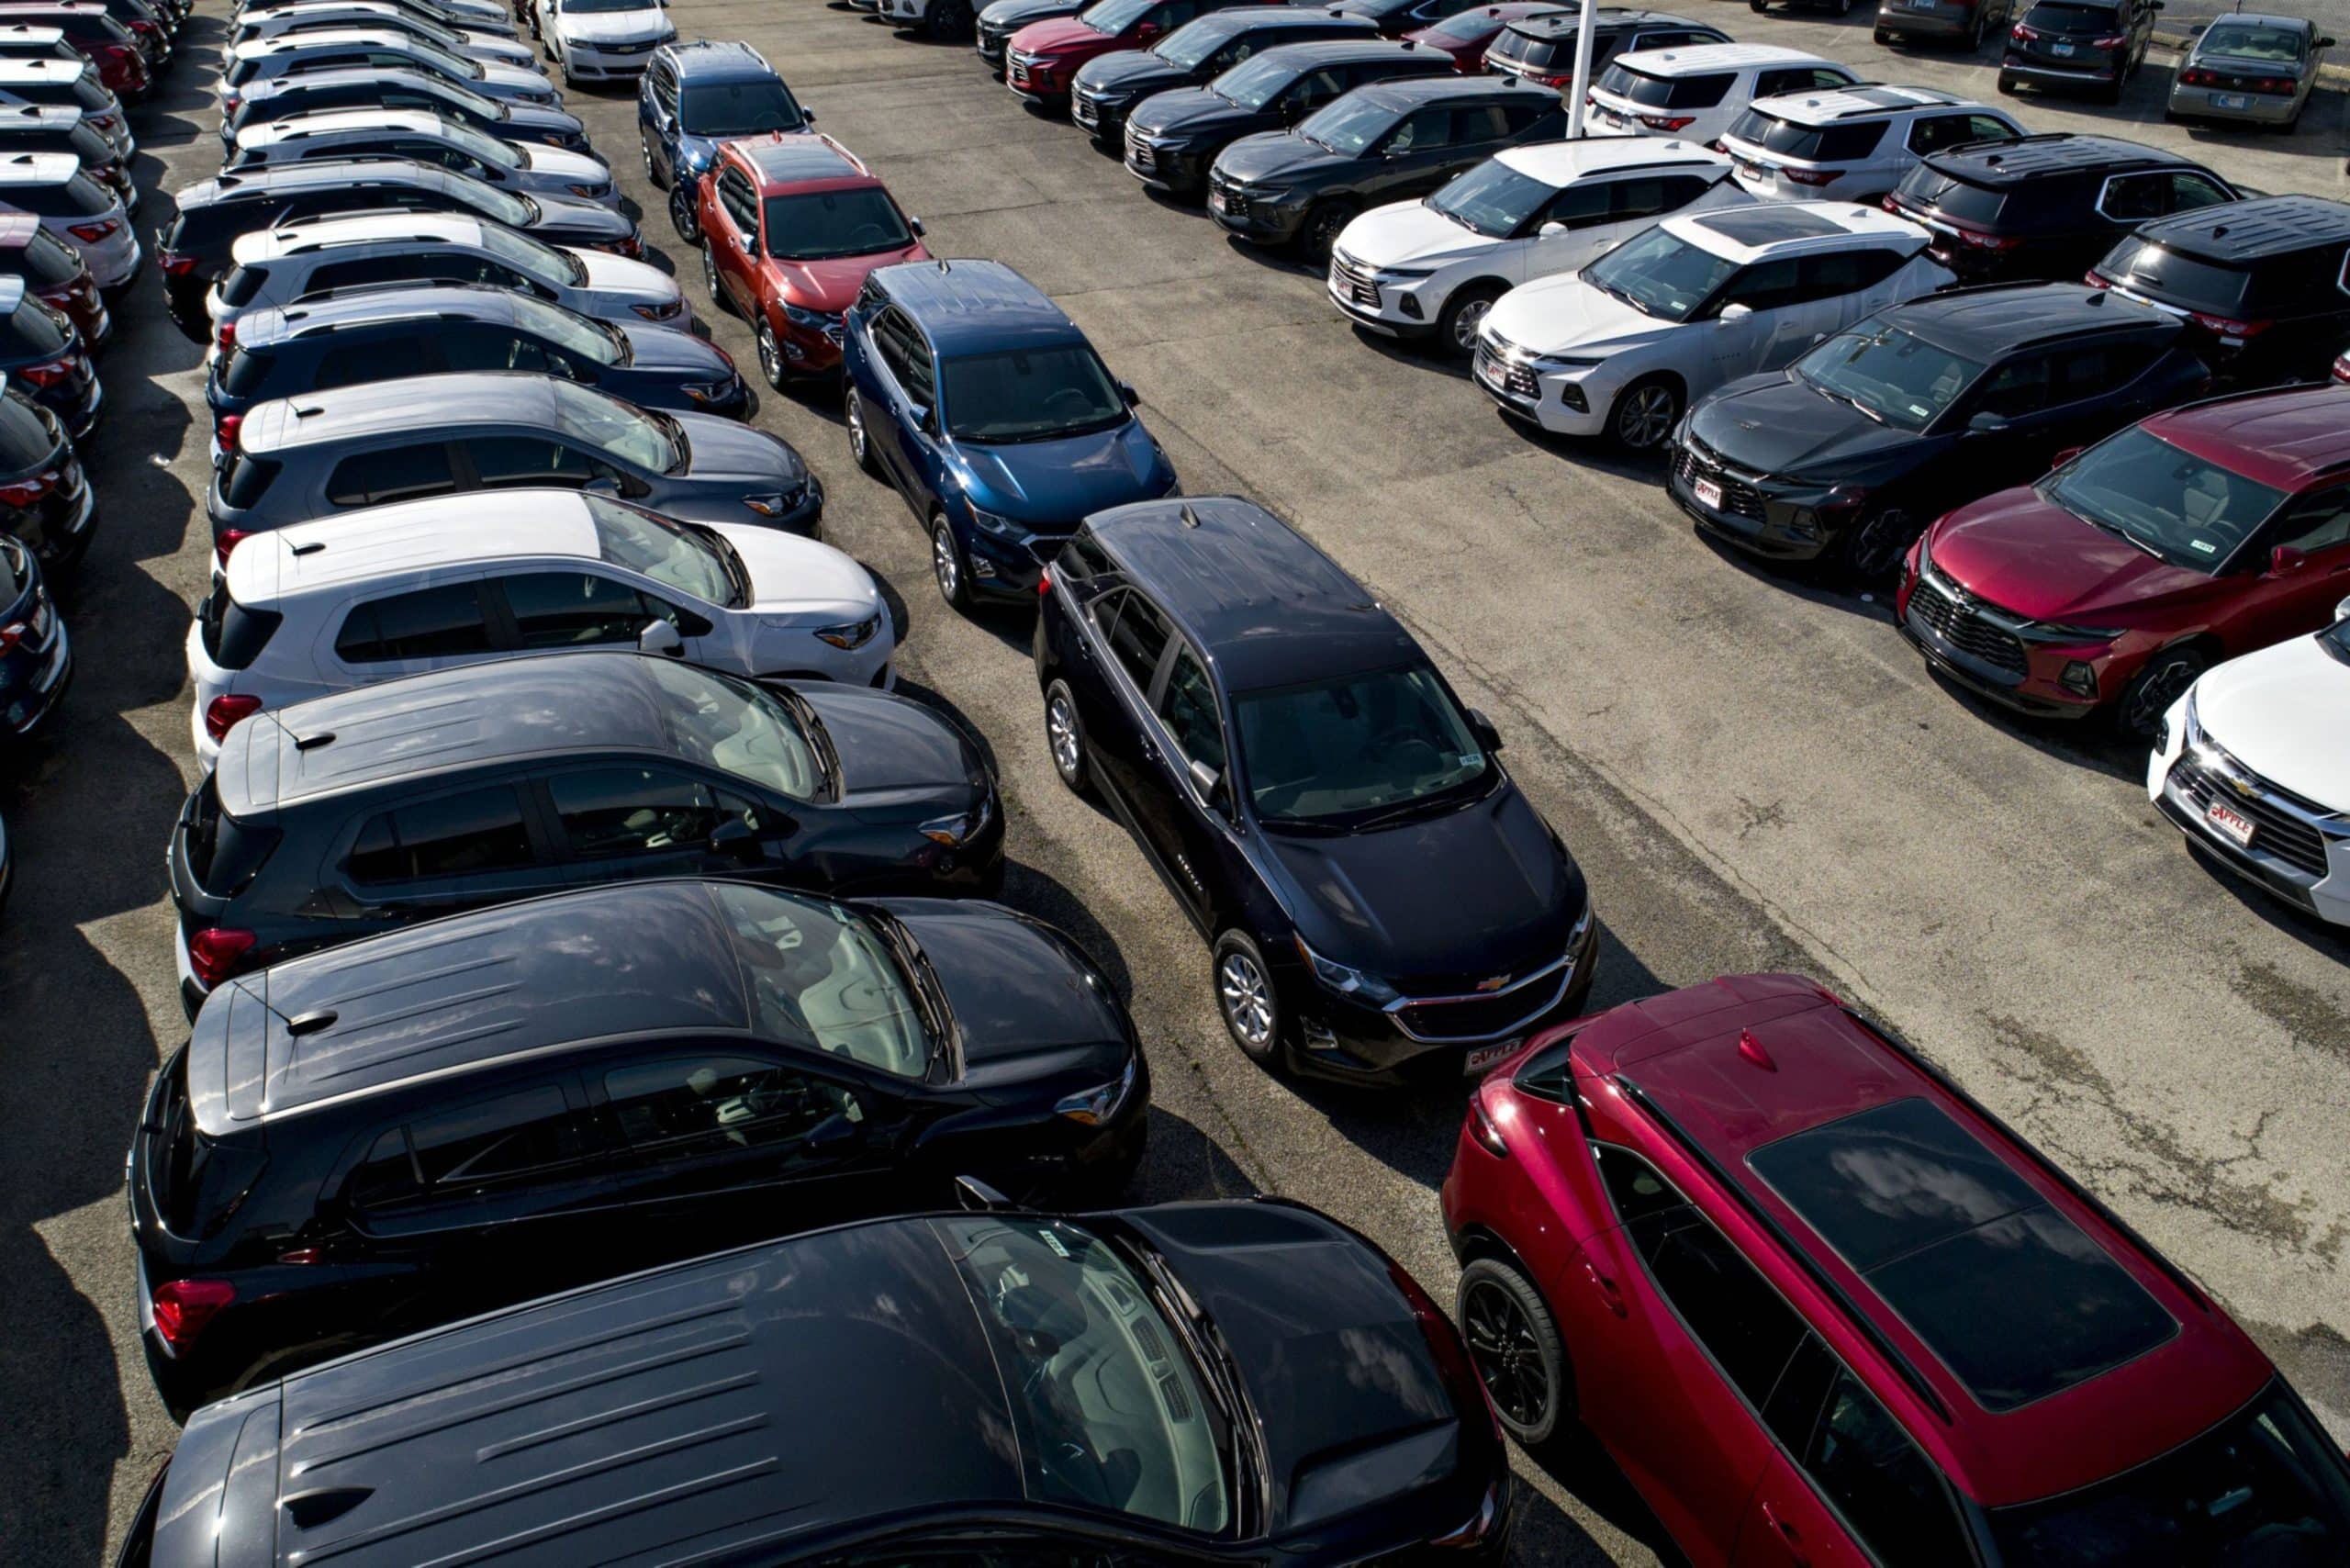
[
  {"x": 1185, "y": 1164},
  {"x": 1577, "y": 1463},
  {"x": 1038, "y": 893},
  {"x": 2331, "y": 941}
]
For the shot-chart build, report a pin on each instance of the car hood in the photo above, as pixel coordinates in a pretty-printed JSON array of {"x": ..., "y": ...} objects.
[
  {"x": 2284, "y": 712},
  {"x": 1025, "y": 1001},
  {"x": 561, "y": 164},
  {"x": 1409, "y": 233},
  {"x": 2041, "y": 561},
  {"x": 1774, "y": 424},
  {"x": 1564, "y": 315},
  {"x": 617, "y": 277},
  {"x": 539, "y": 117},
  {"x": 615, "y": 27},
  {"x": 788, "y": 572},
  {"x": 1190, "y": 112},
  {"x": 889, "y": 746},
  {"x": 1128, "y": 73},
  {"x": 1275, "y": 157},
  {"x": 515, "y": 78},
  {"x": 1361, "y": 899},
  {"x": 673, "y": 352},
  {"x": 1060, "y": 35},
  {"x": 1014, "y": 14},
  {"x": 833, "y": 285},
  {"x": 577, "y": 221},
  {"x": 723, "y": 449},
  {"x": 1052, "y": 484}
]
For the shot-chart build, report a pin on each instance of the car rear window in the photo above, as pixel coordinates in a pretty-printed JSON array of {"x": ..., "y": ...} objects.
[
  {"x": 30, "y": 329},
  {"x": 16, "y": 570},
  {"x": 245, "y": 372},
  {"x": 48, "y": 262},
  {"x": 198, "y": 1180},
  {"x": 2072, "y": 19},
  {"x": 1811, "y": 143},
  {"x": 223, "y": 854},
  {"x": 26, "y": 439},
  {"x": 233, "y": 634},
  {"x": 88, "y": 93},
  {"x": 2177, "y": 279},
  {"x": 1667, "y": 92},
  {"x": 246, "y": 480},
  {"x": 1535, "y": 53},
  {"x": 1954, "y": 199},
  {"x": 240, "y": 287}
]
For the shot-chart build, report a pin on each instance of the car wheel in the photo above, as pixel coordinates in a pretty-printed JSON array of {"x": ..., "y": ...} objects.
[
  {"x": 949, "y": 568},
  {"x": 860, "y": 441},
  {"x": 1065, "y": 734},
  {"x": 1513, "y": 1344},
  {"x": 1644, "y": 414},
  {"x": 2162, "y": 681},
  {"x": 1758, "y": 6},
  {"x": 1323, "y": 226},
  {"x": 949, "y": 19},
  {"x": 1457, "y": 324},
  {"x": 1880, "y": 36},
  {"x": 771, "y": 355},
  {"x": 2007, "y": 84},
  {"x": 1245, "y": 997},
  {"x": 652, "y": 170},
  {"x": 682, "y": 217},
  {"x": 1872, "y": 548},
  {"x": 709, "y": 278}
]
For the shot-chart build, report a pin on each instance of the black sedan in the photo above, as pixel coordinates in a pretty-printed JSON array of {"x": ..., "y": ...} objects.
[
  {"x": 1847, "y": 453},
  {"x": 491, "y": 1106},
  {"x": 1194, "y": 1383},
  {"x": 1106, "y": 89}
]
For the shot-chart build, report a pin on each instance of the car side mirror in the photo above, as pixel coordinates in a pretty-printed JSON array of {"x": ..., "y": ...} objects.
[
  {"x": 977, "y": 1196},
  {"x": 1987, "y": 423},
  {"x": 807, "y": 114},
  {"x": 835, "y": 1131},
  {"x": 925, "y": 419},
  {"x": 2342, "y": 611},
  {"x": 914, "y": 225},
  {"x": 1734, "y": 311},
  {"x": 660, "y": 637},
  {"x": 734, "y": 839},
  {"x": 603, "y": 486},
  {"x": 1483, "y": 728},
  {"x": 1550, "y": 231},
  {"x": 1126, "y": 390},
  {"x": 1208, "y": 782},
  {"x": 2285, "y": 560},
  {"x": 2322, "y": 43}
]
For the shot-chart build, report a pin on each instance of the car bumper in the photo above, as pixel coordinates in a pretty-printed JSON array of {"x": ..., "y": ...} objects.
[
  {"x": 809, "y": 351},
  {"x": 114, "y": 264},
  {"x": 2035, "y": 690},
  {"x": 1734, "y": 508},
  {"x": 1103, "y": 121},
  {"x": 2088, "y": 73},
  {"x": 1179, "y": 173},
  {"x": 1259, "y": 222},
  {"x": 588, "y": 63},
  {"x": 1399, "y": 309},
  {"x": 1551, "y": 405},
  {"x": 25, "y": 707},
  {"x": 2298, "y": 854},
  {"x": 2252, "y": 108}
]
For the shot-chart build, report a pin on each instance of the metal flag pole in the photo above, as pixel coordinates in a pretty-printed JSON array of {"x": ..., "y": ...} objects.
[{"x": 1575, "y": 93}]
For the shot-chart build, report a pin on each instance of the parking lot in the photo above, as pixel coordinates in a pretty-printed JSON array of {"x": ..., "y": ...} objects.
[{"x": 1755, "y": 771}]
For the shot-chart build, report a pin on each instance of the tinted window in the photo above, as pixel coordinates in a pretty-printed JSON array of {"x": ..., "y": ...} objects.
[
  {"x": 1812, "y": 143},
  {"x": 234, "y": 635},
  {"x": 2133, "y": 198},
  {"x": 431, "y": 623},
  {"x": 244, "y": 372},
  {"x": 455, "y": 836},
  {"x": 1729, "y": 1308},
  {"x": 2188, "y": 192},
  {"x": 25, "y": 439},
  {"x": 527, "y": 460},
  {"x": 740, "y": 109},
  {"x": 2317, "y": 522},
  {"x": 491, "y": 348},
  {"x": 1666, "y": 92},
  {"x": 689, "y": 1105},
  {"x": 1888, "y": 1494},
  {"x": 32, "y": 328},
  {"x": 1938, "y": 192},
  {"x": 393, "y": 474},
  {"x": 824, "y": 225},
  {"x": 517, "y": 1135},
  {"x": 1633, "y": 1184},
  {"x": 563, "y": 609},
  {"x": 246, "y": 480},
  {"x": 46, "y": 262},
  {"x": 632, "y": 810},
  {"x": 348, "y": 363},
  {"x": 1139, "y": 637},
  {"x": 2072, "y": 20},
  {"x": 1188, "y": 706}
]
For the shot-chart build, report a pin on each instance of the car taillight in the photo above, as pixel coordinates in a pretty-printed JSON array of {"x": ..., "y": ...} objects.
[
  {"x": 226, "y": 338},
  {"x": 2114, "y": 42},
  {"x": 24, "y": 492},
  {"x": 99, "y": 122},
  {"x": 48, "y": 374},
  {"x": 2095, "y": 279},
  {"x": 175, "y": 265},
  {"x": 1555, "y": 81},
  {"x": 1810, "y": 177},
  {"x": 232, "y": 104},
  {"x": 213, "y": 952},
  {"x": 224, "y": 434},
  {"x": 220, "y": 715},
  {"x": 1444, "y": 1344},
  {"x": 2198, "y": 78},
  {"x": 144, "y": 28},
  {"x": 1484, "y": 1129},
  {"x": 2342, "y": 368},
  {"x": 183, "y": 1306},
  {"x": 2228, "y": 326},
  {"x": 1989, "y": 241},
  {"x": 226, "y": 543},
  {"x": 631, "y": 248},
  {"x": 2022, "y": 34},
  {"x": 1666, "y": 122},
  {"x": 1044, "y": 577},
  {"x": 93, "y": 233},
  {"x": 11, "y": 634}
]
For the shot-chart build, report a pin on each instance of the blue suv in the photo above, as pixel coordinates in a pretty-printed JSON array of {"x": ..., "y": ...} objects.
[
  {"x": 969, "y": 390},
  {"x": 695, "y": 95}
]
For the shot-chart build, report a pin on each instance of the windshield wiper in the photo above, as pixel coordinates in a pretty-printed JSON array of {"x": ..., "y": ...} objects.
[
  {"x": 1431, "y": 805},
  {"x": 1844, "y": 398}
]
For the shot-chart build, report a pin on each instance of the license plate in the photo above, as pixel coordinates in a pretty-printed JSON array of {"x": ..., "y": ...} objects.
[
  {"x": 2061, "y": 51},
  {"x": 2232, "y": 100},
  {"x": 2236, "y": 827},
  {"x": 1489, "y": 373},
  {"x": 1483, "y": 1057},
  {"x": 1216, "y": 201},
  {"x": 1707, "y": 492},
  {"x": 1614, "y": 120},
  {"x": 1753, "y": 171}
]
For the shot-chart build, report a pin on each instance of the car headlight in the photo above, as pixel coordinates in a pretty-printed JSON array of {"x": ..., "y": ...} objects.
[
  {"x": 697, "y": 160},
  {"x": 854, "y": 635},
  {"x": 1091, "y": 1107},
  {"x": 1401, "y": 274},
  {"x": 710, "y": 391},
  {"x": 2059, "y": 632},
  {"x": 816, "y": 321},
  {"x": 593, "y": 193},
  {"x": 775, "y": 503},
  {"x": 668, "y": 310},
  {"x": 1551, "y": 364},
  {"x": 960, "y": 829},
  {"x": 1347, "y": 983},
  {"x": 1001, "y": 527}
]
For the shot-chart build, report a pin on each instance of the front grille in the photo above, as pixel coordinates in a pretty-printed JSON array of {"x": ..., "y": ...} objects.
[
  {"x": 1081, "y": 112},
  {"x": 646, "y": 47},
  {"x": 1478, "y": 1017},
  {"x": 1140, "y": 153},
  {"x": 2276, "y": 830},
  {"x": 1512, "y": 377},
  {"x": 1351, "y": 280},
  {"x": 1950, "y": 613},
  {"x": 990, "y": 45},
  {"x": 1697, "y": 461},
  {"x": 1231, "y": 200}
]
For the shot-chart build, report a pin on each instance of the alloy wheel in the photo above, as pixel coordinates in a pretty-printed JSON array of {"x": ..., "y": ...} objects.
[
  {"x": 1879, "y": 541},
  {"x": 1061, "y": 731},
  {"x": 770, "y": 356},
  {"x": 1465, "y": 322},
  {"x": 1247, "y": 999},
  {"x": 944, "y": 565},
  {"x": 710, "y": 275},
  {"x": 1508, "y": 1357},
  {"x": 1645, "y": 416}
]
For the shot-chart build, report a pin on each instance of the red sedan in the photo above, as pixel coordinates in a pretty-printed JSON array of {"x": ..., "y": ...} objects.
[
  {"x": 1466, "y": 35},
  {"x": 1823, "y": 1308},
  {"x": 1042, "y": 57},
  {"x": 789, "y": 227},
  {"x": 2112, "y": 584}
]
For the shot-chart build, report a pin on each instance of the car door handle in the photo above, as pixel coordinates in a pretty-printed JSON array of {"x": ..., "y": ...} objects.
[
  {"x": 1790, "y": 1536},
  {"x": 1605, "y": 1286}
]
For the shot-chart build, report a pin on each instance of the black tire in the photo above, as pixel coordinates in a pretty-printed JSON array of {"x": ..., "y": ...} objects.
[
  {"x": 1323, "y": 225},
  {"x": 947, "y": 20},
  {"x": 1065, "y": 738},
  {"x": 860, "y": 440},
  {"x": 771, "y": 355},
  {"x": 1644, "y": 413},
  {"x": 1513, "y": 1344},
  {"x": 2007, "y": 84},
  {"x": 950, "y": 569},
  {"x": 1457, "y": 323},
  {"x": 709, "y": 280},
  {"x": 1870, "y": 551},
  {"x": 1758, "y": 6},
  {"x": 652, "y": 172},
  {"x": 2160, "y": 681},
  {"x": 1246, "y": 1000},
  {"x": 682, "y": 217},
  {"x": 1880, "y": 35}
]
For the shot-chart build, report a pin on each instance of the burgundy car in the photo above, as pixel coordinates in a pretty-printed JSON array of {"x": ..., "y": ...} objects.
[
  {"x": 1043, "y": 56},
  {"x": 1823, "y": 1308},
  {"x": 53, "y": 271},
  {"x": 2109, "y": 585},
  {"x": 1466, "y": 35}
]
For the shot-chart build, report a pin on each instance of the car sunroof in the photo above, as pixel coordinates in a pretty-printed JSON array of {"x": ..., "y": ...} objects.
[
  {"x": 1767, "y": 225},
  {"x": 2014, "y": 1298}
]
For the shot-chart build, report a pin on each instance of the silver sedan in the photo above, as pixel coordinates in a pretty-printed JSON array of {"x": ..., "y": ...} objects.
[{"x": 2249, "y": 67}]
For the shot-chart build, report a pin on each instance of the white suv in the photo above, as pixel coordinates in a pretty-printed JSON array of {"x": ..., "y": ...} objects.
[
  {"x": 1622, "y": 346},
  {"x": 399, "y": 589},
  {"x": 1434, "y": 267},
  {"x": 1695, "y": 93},
  {"x": 1853, "y": 143}
]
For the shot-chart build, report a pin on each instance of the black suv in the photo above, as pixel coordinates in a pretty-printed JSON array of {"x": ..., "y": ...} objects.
[
  {"x": 2265, "y": 284},
  {"x": 1105, "y": 90},
  {"x": 398, "y": 330},
  {"x": 2045, "y": 206},
  {"x": 1542, "y": 48},
  {"x": 1389, "y": 141},
  {"x": 1171, "y": 138},
  {"x": 416, "y": 1128},
  {"x": 1294, "y": 765},
  {"x": 1396, "y": 18},
  {"x": 1849, "y": 453},
  {"x": 358, "y": 813},
  {"x": 2096, "y": 45},
  {"x": 45, "y": 499},
  {"x": 289, "y": 97}
]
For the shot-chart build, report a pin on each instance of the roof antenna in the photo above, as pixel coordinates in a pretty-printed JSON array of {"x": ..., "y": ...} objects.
[
  {"x": 1751, "y": 1049},
  {"x": 1191, "y": 518}
]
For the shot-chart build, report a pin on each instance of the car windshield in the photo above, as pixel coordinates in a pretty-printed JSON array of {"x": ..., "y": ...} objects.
[
  {"x": 820, "y": 976},
  {"x": 740, "y": 109},
  {"x": 1360, "y": 746},
  {"x": 1038, "y": 394},
  {"x": 1660, "y": 274},
  {"x": 598, "y": 342},
  {"x": 33, "y": 330},
  {"x": 487, "y": 148},
  {"x": 2264, "y": 1486},
  {"x": 598, "y": 8},
  {"x": 1253, "y": 84},
  {"x": 1492, "y": 199},
  {"x": 739, "y": 727},
  {"x": 543, "y": 263},
  {"x": 676, "y": 554},
  {"x": 612, "y": 426},
  {"x": 1896, "y": 377},
  {"x": 2253, "y": 40},
  {"x": 480, "y": 196},
  {"x": 1114, "y": 16},
  {"x": 2072, "y": 21},
  {"x": 822, "y": 225},
  {"x": 1189, "y": 45},
  {"x": 1349, "y": 125},
  {"x": 1109, "y": 1407},
  {"x": 2178, "y": 507}
]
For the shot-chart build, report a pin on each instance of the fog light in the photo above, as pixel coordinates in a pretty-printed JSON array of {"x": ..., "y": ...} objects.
[
  {"x": 982, "y": 567},
  {"x": 1571, "y": 395},
  {"x": 1804, "y": 522},
  {"x": 1317, "y": 1035},
  {"x": 1409, "y": 304},
  {"x": 2079, "y": 679}
]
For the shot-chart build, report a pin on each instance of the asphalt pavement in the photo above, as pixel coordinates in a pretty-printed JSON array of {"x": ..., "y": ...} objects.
[{"x": 1754, "y": 770}]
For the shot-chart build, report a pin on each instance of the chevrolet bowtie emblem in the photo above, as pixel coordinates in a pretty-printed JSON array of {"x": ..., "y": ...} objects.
[
  {"x": 2243, "y": 787},
  {"x": 1494, "y": 984}
]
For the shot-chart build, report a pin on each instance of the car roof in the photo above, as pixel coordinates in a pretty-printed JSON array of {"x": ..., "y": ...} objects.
[
  {"x": 1410, "y": 92},
  {"x": 718, "y": 60},
  {"x": 1849, "y": 1151},
  {"x": 2283, "y": 439},
  {"x": 1606, "y": 17},
  {"x": 1234, "y": 20},
  {"x": 41, "y": 69},
  {"x": 974, "y": 304},
  {"x": 371, "y": 544},
  {"x": 17, "y": 228},
  {"x": 1563, "y": 162},
  {"x": 1780, "y": 229},
  {"x": 18, "y": 116},
  {"x": 30, "y": 32},
  {"x": 358, "y": 229},
  {"x": 797, "y": 158},
  {"x": 12, "y": 292},
  {"x": 1266, "y": 606},
  {"x": 2249, "y": 230},
  {"x": 452, "y": 401},
  {"x": 327, "y": 38},
  {"x": 258, "y": 180},
  {"x": 38, "y": 168},
  {"x": 1871, "y": 100},
  {"x": 332, "y": 122},
  {"x": 1689, "y": 60},
  {"x": 1308, "y": 53},
  {"x": 1991, "y": 321},
  {"x": 466, "y": 992},
  {"x": 393, "y": 307},
  {"x": 2047, "y": 154}
]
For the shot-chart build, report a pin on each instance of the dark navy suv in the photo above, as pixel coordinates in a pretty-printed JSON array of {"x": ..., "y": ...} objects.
[
  {"x": 1293, "y": 765},
  {"x": 695, "y": 95}
]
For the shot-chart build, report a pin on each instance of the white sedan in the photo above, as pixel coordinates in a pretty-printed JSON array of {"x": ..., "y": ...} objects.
[{"x": 604, "y": 40}]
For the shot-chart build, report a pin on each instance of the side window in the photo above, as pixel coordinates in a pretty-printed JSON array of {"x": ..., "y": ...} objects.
[
  {"x": 1766, "y": 285},
  {"x": 2316, "y": 523},
  {"x": 511, "y": 460},
  {"x": 1983, "y": 128},
  {"x": 393, "y": 473},
  {"x": 631, "y": 810},
  {"x": 516, "y": 1136},
  {"x": 905, "y": 355},
  {"x": 1524, "y": 114},
  {"x": 1173, "y": 13},
  {"x": 1083, "y": 557},
  {"x": 2188, "y": 192},
  {"x": 689, "y": 1106},
  {"x": 1189, "y": 708},
  {"x": 2130, "y": 198},
  {"x": 1873, "y": 267},
  {"x": 921, "y": 380},
  {"x": 568, "y": 610},
  {"x": 1314, "y": 89},
  {"x": 384, "y": 269},
  {"x": 1825, "y": 277},
  {"x": 485, "y": 346},
  {"x": 734, "y": 195},
  {"x": 2017, "y": 387},
  {"x": 1473, "y": 123},
  {"x": 1649, "y": 196},
  {"x": 390, "y": 359},
  {"x": 1137, "y": 639},
  {"x": 1729, "y": 1308},
  {"x": 1931, "y": 133},
  {"x": 434, "y": 622},
  {"x": 1887, "y": 1491},
  {"x": 455, "y": 836},
  {"x": 1585, "y": 203},
  {"x": 1423, "y": 131},
  {"x": 1633, "y": 1184},
  {"x": 2075, "y": 374}
]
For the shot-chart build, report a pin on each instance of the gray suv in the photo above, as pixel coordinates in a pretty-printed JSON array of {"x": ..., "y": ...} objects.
[{"x": 434, "y": 435}]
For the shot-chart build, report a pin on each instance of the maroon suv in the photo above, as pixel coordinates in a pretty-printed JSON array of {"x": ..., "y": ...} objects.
[{"x": 1042, "y": 57}]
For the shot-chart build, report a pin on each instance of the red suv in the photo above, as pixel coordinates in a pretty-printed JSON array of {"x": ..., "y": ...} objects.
[
  {"x": 2112, "y": 583},
  {"x": 790, "y": 225},
  {"x": 1823, "y": 1308},
  {"x": 1042, "y": 57}
]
